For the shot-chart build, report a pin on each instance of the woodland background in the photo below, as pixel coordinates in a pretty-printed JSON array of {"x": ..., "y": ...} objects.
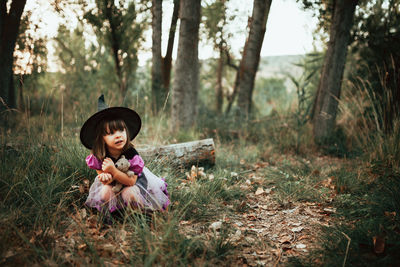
[{"x": 310, "y": 142}]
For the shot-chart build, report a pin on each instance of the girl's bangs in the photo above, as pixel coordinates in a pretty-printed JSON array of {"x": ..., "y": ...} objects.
[{"x": 111, "y": 126}]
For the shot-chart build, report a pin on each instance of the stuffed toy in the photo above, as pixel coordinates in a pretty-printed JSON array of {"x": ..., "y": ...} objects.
[{"x": 123, "y": 165}]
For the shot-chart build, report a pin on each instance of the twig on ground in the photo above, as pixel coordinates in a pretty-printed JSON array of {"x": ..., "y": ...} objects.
[
  {"x": 279, "y": 257},
  {"x": 347, "y": 248}
]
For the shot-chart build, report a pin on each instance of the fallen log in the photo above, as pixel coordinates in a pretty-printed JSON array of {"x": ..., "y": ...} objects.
[{"x": 198, "y": 153}]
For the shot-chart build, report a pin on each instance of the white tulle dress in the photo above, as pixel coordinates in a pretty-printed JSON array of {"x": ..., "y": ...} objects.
[{"x": 150, "y": 191}]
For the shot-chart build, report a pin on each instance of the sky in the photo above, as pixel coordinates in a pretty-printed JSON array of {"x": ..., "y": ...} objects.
[{"x": 289, "y": 29}]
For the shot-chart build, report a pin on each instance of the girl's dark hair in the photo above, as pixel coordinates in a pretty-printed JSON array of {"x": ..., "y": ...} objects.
[{"x": 105, "y": 127}]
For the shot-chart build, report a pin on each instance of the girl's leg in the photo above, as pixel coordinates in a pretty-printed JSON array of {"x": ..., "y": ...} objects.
[
  {"x": 106, "y": 193},
  {"x": 131, "y": 195}
]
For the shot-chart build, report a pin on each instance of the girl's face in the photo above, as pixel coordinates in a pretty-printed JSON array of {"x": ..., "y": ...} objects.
[{"x": 116, "y": 140}]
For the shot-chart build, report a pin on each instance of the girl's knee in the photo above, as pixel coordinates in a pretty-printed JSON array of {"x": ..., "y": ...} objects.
[
  {"x": 128, "y": 195},
  {"x": 106, "y": 193}
]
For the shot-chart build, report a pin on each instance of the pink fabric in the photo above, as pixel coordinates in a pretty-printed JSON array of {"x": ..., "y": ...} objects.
[
  {"x": 93, "y": 162},
  {"x": 137, "y": 164}
]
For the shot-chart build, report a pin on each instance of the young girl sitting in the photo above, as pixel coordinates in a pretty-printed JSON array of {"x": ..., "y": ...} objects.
[{"x": 108, "y": 134}]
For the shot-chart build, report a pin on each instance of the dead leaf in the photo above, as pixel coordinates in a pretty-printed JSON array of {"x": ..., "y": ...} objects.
[
  {"x": 10, "y": 253},
  {"x": 390, "y": 214},
  {"x": 82, "y": 213},
  {"x": 315, "y": 173},
  {"x": 251, "y": 217},
  {"x": 379, "y": 244},
  {"x": 297, "y": 229},
  {"x": 107, "y": 247},
  {"x": 215, "y": 226},
  {"x": 328, "y": 183},
  {"x": 330, "y": 210},
  {"x": 285, "y": 239},
  {"x": 259, "y": 191},
  {"x": 82, "y": 246},
  {"x": 300, "y": 246},
  {"x": 195, "y": 172},
  {"x": 81, "y": 189}
]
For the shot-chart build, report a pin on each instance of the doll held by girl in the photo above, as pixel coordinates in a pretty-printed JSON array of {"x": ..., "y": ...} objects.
[{"x": 108, "y": 133}]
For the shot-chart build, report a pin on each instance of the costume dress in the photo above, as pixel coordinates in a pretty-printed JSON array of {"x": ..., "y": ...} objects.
[{"x": 150, "y": 191}]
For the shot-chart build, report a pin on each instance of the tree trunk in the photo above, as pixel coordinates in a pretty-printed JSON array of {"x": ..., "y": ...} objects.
[
  {"x": 251, "y": 55},
  {"x": 184, "y": 95},
  {"x": 326, "y": 101},
  {"x": 21, "y": 103},
  {"x": 196, "y": 153},
  {"x": 156, "y": 74},
  {"x": 218, "y": 87},
  {"x": 167, "y": 60},
  {"x": 115, "y": 46},
  {"x": 9, "y": 25}
]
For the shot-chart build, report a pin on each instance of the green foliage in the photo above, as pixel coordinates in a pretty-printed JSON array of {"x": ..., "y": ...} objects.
[
  {"x": 376, "y": 43},
  {"x": 118, "y": 30},
  {"x": 273, "y": 92}
]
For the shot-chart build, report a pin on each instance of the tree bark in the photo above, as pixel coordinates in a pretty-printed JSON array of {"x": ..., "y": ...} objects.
[
  {"x": 218, "y": 88},
  {"x": 196, "y": 153},
  {"x": 115, "y": 46},
  {"x": 21, "y": 103},
  {"x": 328, "y": 93},
  {"x": 184, "y": 95},
  {"x": 167, "y": 60},
  {"x": 9, "y": 25},
  {"x": 156, "y": 74},
  {"x": 251, "y": 55}
]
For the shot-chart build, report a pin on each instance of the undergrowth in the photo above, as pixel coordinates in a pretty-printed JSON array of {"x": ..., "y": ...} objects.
[{"x": 43, "y": 187}]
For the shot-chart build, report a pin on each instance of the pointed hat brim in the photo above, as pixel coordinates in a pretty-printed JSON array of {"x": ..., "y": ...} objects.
[{"x": 129, "y": 116}]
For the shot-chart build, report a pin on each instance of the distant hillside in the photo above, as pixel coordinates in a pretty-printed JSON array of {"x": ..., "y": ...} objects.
[
  {"x": 274, "y": 66},
  {"x": 279, "y": 67}
]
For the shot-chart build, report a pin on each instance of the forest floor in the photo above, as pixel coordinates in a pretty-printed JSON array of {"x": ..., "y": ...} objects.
[
  {"x": 257, "y": 206},
  {"x": 262, "y": 230},
  {"x": 267, "y": 232}
]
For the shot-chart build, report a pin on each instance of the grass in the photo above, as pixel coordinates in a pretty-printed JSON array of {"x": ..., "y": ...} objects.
[
  {"x": 43, "y": 181},
  {"x": 41, "y": 201}
]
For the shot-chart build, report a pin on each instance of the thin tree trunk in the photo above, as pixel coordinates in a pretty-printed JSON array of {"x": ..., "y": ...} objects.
[
  {"x": 12, "y": 102},
  {"x": 21, "y": 103},
  {"x": 167, "y": 60},
  {"x": 326, "y": 101},
  {"x": 218, "y": 87},
  {"x": 184, "y": 96},
  {"x": 251, "y": 55},
  {"x": 156, "y": 73},
  {"x": 115, "y": 45},
  {"x": 9, "y": 25}
]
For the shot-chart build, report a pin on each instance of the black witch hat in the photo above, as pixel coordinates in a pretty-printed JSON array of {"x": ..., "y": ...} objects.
[{"x": 129, "y": 116}]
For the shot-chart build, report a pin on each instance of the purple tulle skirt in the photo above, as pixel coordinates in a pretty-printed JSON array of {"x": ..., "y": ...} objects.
[{"x": 152, "y": 195}]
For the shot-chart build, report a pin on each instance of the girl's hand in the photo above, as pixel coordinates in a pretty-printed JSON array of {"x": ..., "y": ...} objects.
[
  {"x": 105, "y": 178},
  {"x": 108, "y": 165}
]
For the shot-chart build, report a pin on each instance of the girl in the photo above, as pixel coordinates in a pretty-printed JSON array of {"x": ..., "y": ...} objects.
[{"x": 108, "y": 134}]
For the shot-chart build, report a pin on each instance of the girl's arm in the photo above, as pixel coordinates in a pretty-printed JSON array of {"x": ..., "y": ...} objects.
[{"x": 123, "y": 178}]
